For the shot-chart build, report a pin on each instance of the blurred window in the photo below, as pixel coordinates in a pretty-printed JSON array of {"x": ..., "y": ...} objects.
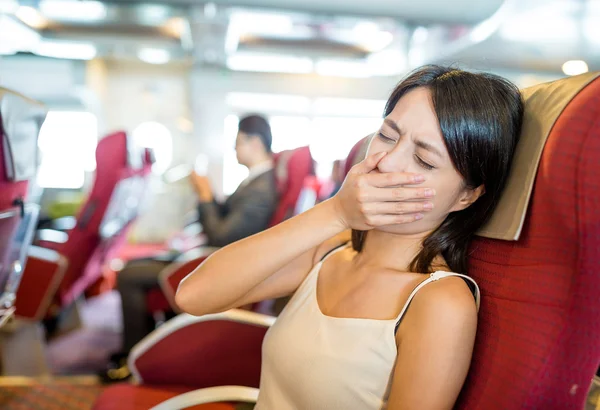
[
  {"x": 67, "y": 144},
  {"x": 156, "y": 136},
  {"x": 330, "y": 137}
]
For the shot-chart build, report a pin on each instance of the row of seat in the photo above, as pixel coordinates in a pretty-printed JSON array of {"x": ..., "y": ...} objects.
[
  {"x": 537, "y": 340},
  {"x": 62, "y": 270}
]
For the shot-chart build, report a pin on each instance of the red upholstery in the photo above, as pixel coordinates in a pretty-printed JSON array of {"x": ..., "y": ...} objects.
[
  {"x": 538, "y": 336},
  {"x": 226, "y": 350},
  {"x": 36, "y": 292},
  {"x": 114, "y": 166},
  {"x": 132, "y": 397},
  {"x": 125, "y": 202},
  {"x": 353, "y": 155},
  {"x": 291, "y": 168},
  {"x": 20, "y": 122},
  {"x": 163, "y": 299}
]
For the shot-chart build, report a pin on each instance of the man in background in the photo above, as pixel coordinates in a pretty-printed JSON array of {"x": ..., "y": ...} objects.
[{"x": 246, "y": 212}]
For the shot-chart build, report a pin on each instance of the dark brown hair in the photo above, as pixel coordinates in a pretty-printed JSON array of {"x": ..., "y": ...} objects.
[
  {"x": 257, "y": 126},
  {"x": 480, "y": 117}
]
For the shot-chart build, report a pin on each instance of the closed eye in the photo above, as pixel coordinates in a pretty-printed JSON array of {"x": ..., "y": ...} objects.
[
  {"x": 386, "y": 139},
  {"x": 423, "y": 163}
]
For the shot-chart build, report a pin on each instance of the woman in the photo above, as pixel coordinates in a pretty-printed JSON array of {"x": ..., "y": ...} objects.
[{"x": 347, "y": 340}]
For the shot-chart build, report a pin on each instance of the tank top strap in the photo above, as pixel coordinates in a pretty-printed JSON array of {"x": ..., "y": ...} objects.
[
  {"x": 334, "y": 250},
  {"x": 434, "y": 277}
]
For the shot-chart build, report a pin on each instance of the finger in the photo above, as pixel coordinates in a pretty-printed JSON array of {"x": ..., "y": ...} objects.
[
  {"x": 369, "y": 163},
  {"x": 389, "y": 179},
  {"x": 382, "y": 220},
  {"x": 399, "y": 208},
  {"x": 400, "y": 194}
]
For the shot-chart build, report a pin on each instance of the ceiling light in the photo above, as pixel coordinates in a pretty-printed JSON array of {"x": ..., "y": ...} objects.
[
  {"x": 31, "y": 17},
  {"x": 64, "y": 49},
  {"x": 245, "y": 22},
  {"x": 154, "y": 55},
  {"x": 370, "y": 37},
  {"x": 9, "y": 6},
  {"x": 86, "y": 10},
  {"x": 575, "y": 67},
  {"x": 269, "y": 63}
]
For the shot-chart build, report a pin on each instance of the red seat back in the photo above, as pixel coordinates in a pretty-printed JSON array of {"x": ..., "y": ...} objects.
[
  {"x": 112, "y": 167},
  {"x": 538, "y": 340},
  {"x": 356, "y": 154},
  {"x": 291, "y": 168},
  {"x": 20, "y": 122},
  {"x": 226, "y": 349}
]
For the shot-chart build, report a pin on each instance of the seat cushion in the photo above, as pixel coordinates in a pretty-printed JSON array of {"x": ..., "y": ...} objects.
[
  {"x": 143, "y": 397},
  {"x": 156, "y": 301}
]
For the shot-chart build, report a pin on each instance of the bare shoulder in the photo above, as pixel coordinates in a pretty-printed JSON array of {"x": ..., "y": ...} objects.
[
  {"x": 447, "y": 303},
  {"x": 330, "y": 244}
]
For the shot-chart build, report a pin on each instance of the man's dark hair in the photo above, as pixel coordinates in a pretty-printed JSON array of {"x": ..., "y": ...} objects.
[{"x": 258, "y": 126}]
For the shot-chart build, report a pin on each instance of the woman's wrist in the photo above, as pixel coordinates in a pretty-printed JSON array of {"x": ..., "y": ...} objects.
[{"x": 333, "y": 215}]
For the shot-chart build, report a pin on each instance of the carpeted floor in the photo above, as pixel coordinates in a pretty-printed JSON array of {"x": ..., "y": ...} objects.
[
  {"x": 56, "y": 394},
  {"x": 86, "y": 350}
]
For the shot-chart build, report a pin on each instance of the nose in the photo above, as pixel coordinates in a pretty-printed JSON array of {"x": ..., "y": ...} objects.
[{"x": 396, "y": 160}]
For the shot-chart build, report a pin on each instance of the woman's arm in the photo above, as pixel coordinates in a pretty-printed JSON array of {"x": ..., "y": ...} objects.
[
  {"x": 274, "y": 262},
  {"x": 231, "y": 272},
  {"x": 435, "y": 345}
]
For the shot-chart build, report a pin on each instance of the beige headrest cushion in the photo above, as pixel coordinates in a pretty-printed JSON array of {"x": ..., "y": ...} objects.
[{"x": 543, "y": 105}]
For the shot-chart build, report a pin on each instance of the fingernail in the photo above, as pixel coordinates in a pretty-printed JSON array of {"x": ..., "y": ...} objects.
[
  {"x": 419, "y": 178},
  {"x": 418, "y": 216},
  {"x": 429, "y": 192},
  {"x": 428, "y": 206}
]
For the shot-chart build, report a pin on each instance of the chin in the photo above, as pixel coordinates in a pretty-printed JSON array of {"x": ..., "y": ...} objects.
[{"x": 414, "y": 228}]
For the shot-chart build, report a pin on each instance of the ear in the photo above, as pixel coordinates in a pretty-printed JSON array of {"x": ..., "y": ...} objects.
[{"x": 467, "y": 197}]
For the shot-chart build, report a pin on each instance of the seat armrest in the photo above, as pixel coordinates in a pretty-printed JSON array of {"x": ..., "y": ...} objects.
[{"x": 239, "y": 394}]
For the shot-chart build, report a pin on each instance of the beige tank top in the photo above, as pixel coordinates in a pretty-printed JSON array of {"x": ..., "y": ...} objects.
[{"x": 312, "y": 361}]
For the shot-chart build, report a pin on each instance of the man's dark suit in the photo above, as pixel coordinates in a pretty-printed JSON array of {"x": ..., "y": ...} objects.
[{"x": 246, "y": 212}]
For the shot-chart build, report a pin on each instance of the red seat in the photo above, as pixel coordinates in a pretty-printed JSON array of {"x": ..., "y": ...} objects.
[
  {"x": 20, "y": 122},
  {"x": 226, "y": 351},
  {"x": 538, "y": 334},
  {"x": 291, "y": 169},
  {"x": 104, "y": 214},
  {"x": 356, "y": 154},
  {"x": 162, "y": 299}
]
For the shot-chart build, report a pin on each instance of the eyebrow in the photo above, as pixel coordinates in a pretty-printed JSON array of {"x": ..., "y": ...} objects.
[{"x": 419, "y": 143}]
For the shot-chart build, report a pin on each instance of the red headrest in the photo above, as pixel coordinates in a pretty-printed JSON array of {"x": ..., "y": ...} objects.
[
  {"x": 538, "y": 340},
  {"x": 291, "y": 168},
  {"x": 354, "y": 156}
]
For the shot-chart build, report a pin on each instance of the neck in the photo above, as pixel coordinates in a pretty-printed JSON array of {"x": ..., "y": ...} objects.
[
  {"x": 389, "y": 250},
  {"x": 259, "y": 160}
]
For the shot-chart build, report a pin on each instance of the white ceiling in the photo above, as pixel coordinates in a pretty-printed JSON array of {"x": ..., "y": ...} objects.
[
  {"x": 529, "y": 36},
  {"x": 424, "y": 11}
]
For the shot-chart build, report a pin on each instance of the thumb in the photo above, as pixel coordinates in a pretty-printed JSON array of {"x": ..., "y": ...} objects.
[{"x": 369, "y": 163}]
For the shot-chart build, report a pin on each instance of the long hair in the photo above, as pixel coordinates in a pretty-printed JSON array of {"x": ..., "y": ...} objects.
[{"x": 480, "y": 118}]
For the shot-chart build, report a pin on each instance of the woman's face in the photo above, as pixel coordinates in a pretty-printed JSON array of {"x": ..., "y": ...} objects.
[{"x": 412, "y": 138}]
